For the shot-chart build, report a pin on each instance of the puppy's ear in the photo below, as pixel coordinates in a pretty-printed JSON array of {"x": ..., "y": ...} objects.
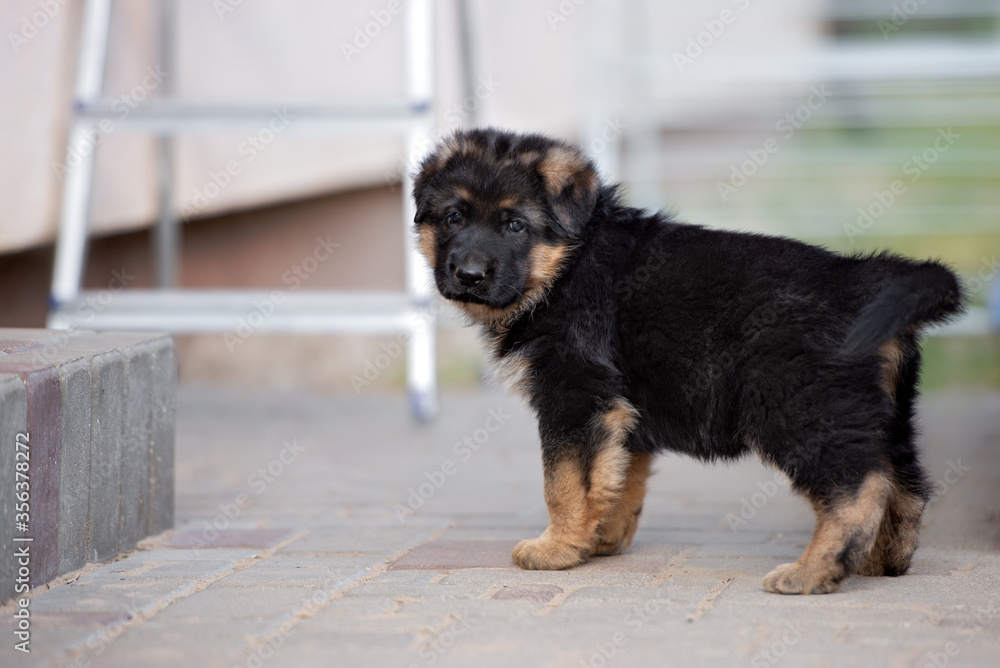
[
  {"x": 434, "y": 163},
  {"x": 421, "y": 187},
  {"x": 571, "y": 183}
]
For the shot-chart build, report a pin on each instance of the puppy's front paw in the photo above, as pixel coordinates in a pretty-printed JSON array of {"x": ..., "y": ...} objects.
[
  {"x": 796, "y": 578},
  {"x": 545, "y": 554}
]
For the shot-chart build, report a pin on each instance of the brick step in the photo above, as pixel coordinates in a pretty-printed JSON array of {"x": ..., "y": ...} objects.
[{"x": 97, "y": 412}]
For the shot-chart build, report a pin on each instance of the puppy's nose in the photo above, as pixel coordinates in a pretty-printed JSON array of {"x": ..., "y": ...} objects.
[{"x": 471, "y": 274}]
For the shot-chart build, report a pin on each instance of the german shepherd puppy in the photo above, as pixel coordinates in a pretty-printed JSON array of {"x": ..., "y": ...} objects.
[{"x": 630, "y": 333}]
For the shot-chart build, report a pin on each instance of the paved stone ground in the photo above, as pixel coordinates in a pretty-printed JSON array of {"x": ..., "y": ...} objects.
[{"x": 312, "y": 562}]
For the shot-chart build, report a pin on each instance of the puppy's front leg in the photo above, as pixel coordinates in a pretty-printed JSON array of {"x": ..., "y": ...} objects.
[
  {"x": 578, "y": 497},
  {"x": 583, "y": 487}
]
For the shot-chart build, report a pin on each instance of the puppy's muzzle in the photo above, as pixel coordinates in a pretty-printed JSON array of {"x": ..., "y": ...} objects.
[
  {"x": 471, "y": 274},
  {"x": 469, "y": 271}
]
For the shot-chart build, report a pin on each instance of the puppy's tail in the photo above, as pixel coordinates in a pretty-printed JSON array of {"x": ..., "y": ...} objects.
[{"x": 929, "y": 294}]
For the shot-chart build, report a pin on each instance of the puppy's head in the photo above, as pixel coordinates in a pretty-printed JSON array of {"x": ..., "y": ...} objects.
[{"x": 498, "y": 214}]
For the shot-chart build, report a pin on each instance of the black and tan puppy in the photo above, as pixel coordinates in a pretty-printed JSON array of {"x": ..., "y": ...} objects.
[{"x": 630, "y": 333}]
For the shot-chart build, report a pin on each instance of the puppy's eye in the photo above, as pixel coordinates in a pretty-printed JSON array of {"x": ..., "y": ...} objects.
[
  {"x": 454, "y": 218},
  {"x": 516, "y": 226}
]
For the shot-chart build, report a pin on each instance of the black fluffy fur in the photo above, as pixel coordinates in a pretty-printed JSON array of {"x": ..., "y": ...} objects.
[{"x": 726, "y": 343}]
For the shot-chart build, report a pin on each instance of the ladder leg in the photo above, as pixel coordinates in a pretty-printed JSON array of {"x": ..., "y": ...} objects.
[
  {"x": 168, "y": 231},
  {"x": 421, "y": 358},
  {"x": 71, "y": 244},
  {"x": 72, "y": 241}
]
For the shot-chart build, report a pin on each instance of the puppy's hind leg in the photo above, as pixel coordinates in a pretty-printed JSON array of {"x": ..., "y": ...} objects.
[
  {"x": 900, "y": 529},
  {"x": 846, "y": 528}
]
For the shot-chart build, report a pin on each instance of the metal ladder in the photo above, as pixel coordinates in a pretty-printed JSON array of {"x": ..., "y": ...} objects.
[{"x": 410, "y": 313}]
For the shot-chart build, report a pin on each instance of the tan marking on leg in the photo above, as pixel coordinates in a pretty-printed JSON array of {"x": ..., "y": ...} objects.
[
  {"x": 427, "y": 235},
  {"x": 892, "y": 354},
  {"x": 907, "y": 509},
  {"x": 618, "y": 527},
  {"x": 607, "y": 482},
  {"x": 565, "y": 542},
  {"x": 578, "y": 505},
  {"x": 620, "y": 419},
  {"x": 845, "y": 532},
  {"x": 897, "y": 535}
]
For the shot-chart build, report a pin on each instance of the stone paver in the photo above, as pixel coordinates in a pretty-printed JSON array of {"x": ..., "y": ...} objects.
[
  {"x": 335, "y": 532},
  {"x": 92, "y": 430},
  {"x": 13, "y": 421}
]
